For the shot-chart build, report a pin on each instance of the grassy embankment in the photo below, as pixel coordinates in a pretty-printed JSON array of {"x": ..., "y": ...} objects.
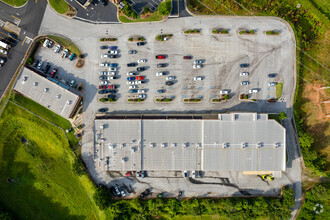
[
  {"x": 36, "y": 178},
  {"x": 66, "y": 43}
]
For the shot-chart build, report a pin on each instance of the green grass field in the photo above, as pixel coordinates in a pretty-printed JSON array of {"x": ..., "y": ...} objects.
[
  {"x": 155, "y": 17},
  {"x": 15, "y": 3},
  {"x": 66, "y": 43},
  {"x": 279, "y": 90},
  {"x": 36, "y": 180},
  {"x": 60, "y": 6}
]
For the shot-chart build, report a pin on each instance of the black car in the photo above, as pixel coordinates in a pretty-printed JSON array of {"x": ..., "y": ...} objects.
[
  {"x": 132, "y": 52},
  {"x": 140, "y": 43},
  {"x": 160, "y": 90},
  {"x": 36, "y": 62},
  {"x": 103, "y": 91},
  {"x": 243, "y": 65},
  {"x": 140, "y": 69},
  {"x": 161, "y": 65},
  {"x": 169, "y": 83},
  {"x": 103, "y": 109},
  {"x": 131, "y": 64},
  {"x": 272, "y": 75},
  {"x": 111, "y": 96},
  {"x": 12, "y": 35},
  {"x": 145, "y": 193},
  {"x": 104, "y": 47},
  {"x": 112, "y": 91},
  {"x": 47, "y": 67},
  {"x": 103, "y": 2},
  {"x": 113, "y": 56}
]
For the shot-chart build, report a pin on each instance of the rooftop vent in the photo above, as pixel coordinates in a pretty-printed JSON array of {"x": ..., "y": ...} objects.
[
  {"x": 133, "y": 149},
  {"x": 225, "y": 145},
  {"x": 198, "y": 145},
  {"x": 260, "y": 145},
  {"x": 173, "y": 145},
  {"x": 244, "y": 145},
  {"x": 46, "y": 90},
  {"x": 24, "y": 79},
  {"x": 35, "y": 83},
  {"x": 101, "y": 126},
  {"x": 122, "y": 145},
  {"x": 278, "y": 144},
  {"x": 184, "y": 145},
  {"x": 69, "y": 102},
  {"x": 163, "y": 145},
  {"x": 58, "y": 96},
  {"x": 151, "y": 145}
]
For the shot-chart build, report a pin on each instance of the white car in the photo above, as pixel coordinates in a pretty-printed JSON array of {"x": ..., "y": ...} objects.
[
  {"x": 272, "y": 84},
  {"x": 160, "y": 74},
  {"x": 111, "y": 77},
  {"x": 103, "y": 73},
  {"x": 253, "y": 90},
  {"x": 170, "y": 77},
  {"x": 141, "y": 96},
  {"x": 193, "y": 174},
  {"x": 138, "y": 82},
  {"x": 104, "y": 55},
  {"x": 198, "y": 78},
  {"x": 130, "y": 82},
  {"x": 104, "y": 64},
  {"x": 3, "y": 51},
  {"x": 197, "y": 66},
  {"x": 245, "y": 83},
  {"x": 112, "y": 69},
  {"x": 103, "y": 82},
  {"x": 142, "y": 61},
  {"x": 131, "y": 74},
  {"x": 112, "y": 73},
  {"x": 57, "y": 48},
  {"x": 46, "y": 42},
  {"x": 66, "y": 53},
  {"x": 113, "y": 51},
  {"x": 244, "y": 74},
  {"x": 132, "y": 87},
  {"x": 141, "y": 91},
  {"x": 224, "y": 92},
  {"x": 198, "y": 61}
]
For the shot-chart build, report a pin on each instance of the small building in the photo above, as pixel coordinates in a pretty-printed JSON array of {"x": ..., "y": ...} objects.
[{"x": 47, "y": 93}]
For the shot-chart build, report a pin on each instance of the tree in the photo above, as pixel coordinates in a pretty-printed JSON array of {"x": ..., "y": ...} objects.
[
  {"x": 165, "y": 7},
  {"x": 78, "y": 168},
  {"x": 146, "y": 9},
  {"x": 282, "y": 116},
  {"x": 102, "y": 197}
]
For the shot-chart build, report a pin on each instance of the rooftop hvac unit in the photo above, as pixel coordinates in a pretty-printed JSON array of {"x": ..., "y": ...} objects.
[
  {"x": 198, "y": 145},
  {"x": 122, "y": 145},
  {"x": 35, "y": 83},
  {"x": 151, "y": 145},
  {"x": 123, "y": 160},
  {"x": 133, "y": 149},
  {"x": 101, "y": 126},
  {"x": 260, "y": 145},
  {"x": 58, "y": 96},
  {"x": 184, "y": 145},
  {"x": 278, "y": 144},
  {"x": 163, "y": 145},
  {"x": 173, "y": 145},
  {"x": 225, "y": 145},
  {"x": 244, "y": 145},
  {"x": 69, "y": 102},
  {"x": 24, "y": 79},
  {"x": 46, "y": 90}
]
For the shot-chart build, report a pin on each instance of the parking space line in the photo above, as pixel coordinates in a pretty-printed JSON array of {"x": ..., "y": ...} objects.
[{"x": 24, "y": 41}]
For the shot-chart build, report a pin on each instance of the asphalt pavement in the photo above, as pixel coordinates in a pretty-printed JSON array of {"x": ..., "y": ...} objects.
[
  {"x": 28, "y": 18},
  {"x": 96, "y": 12}
]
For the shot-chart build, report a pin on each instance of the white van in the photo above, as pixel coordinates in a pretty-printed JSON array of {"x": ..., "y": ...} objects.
[
  {"x": 46, "y": 42},
  {"x": 253, "y": 90},
  {"x": 224, "y": 92}
]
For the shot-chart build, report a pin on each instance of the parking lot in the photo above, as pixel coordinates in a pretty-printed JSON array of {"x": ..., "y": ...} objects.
[{"x": 223, "y": 55}]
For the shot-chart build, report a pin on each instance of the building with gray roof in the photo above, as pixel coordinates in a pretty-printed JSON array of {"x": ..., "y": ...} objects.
[
  {"x": 244, "y": 142},
  {"x": 47, "y": 93}
]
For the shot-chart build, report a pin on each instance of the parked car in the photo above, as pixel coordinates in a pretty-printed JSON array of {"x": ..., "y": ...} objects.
[
  {"x": 142, "y": 61},
  {"x": 102, "y": 78},
  {"x": 193, "y": 174},
  {"x": 272, "y": 84},
  {"x": 245, "y": 83},
  {"x": 113, "y": 51},
  {"x": 112, "y": 86},
  {"x": 130, "y": 78},
  {"x": 103, "y": 73},
  {"x": 244, "y": 74},
  {"x": 103, "y": 87},
  {"x": 46, "y": 42},
  {"x": 140, "y": 69},
  {"x": 112, "y": 91},
  {"x": 130, "y": 82},
  {"x": 160, "y": 90},
  {"x": 160, "y": 57},
  {"x": 111, "y": 73},
  {"x": 141, "y": 96},
  {"x": 197, "y": 66},
  {"x": 142, "y": 91},
  {"x": 111, "y": 77},
  {"x": 224, "y": 92},
  {"x": 185, "y": 174},
  {"x": 244, "y": 65},
  {"x": 57, "y": 48},
  {"x": 3, "y": 52},
  {"x": 198, "y": 78},
  {"x": 103, "y": 82},
  {"x": 187, "y": 57},
  {"x": 105, "y": 55},
  {"x": 169, "y": 83},
  {"x": 103, "y": 109},
  {"x": 113, "y": 64},
  {"x": 35, "y": 64},
  {"x": 113, "y": 56},
  {"x": 47, "y": 67},
  {"x": 112, "y": 69},
  {"x": 72, "y": 83},
  {"x": 104, "y": 47},
  {"x": 65, "y": 53},
  {"x": 52, "y": 74},
  {"x": 198, "y": 61},
  {"x": 131, "y": 74},
  {"x": 115, "y": 191},
  {"x": 111, "y": 96},
  {"x": 132, "y": 51},
  {"x": 139, "y": 77},
  {"x": 130, "y": 173},
  {"x": 40, "y": 65},
  {"x": 133, "y": 91},
  {"x": 113, "y": 47},
  {"x": 160, "y": 73},
  {"x": 138, "y": 82},
  {"x": 12, "y": 35},
  {"x": 253, "y": 90},
  {"x": 272, "y": 75},
  {"x": 170, "y": 78},
  {"x": 132, "y": 87},
  {"x": 161, "y": 65},
  {"x": 131, "y": 64},
  {"x": 140, "y": 43},
  {"x": 103, "y": 91},
  {"x": 105, "y": 64}
]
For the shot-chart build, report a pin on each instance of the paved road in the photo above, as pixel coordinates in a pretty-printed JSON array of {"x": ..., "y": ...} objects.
[
  {"x": 96, "y": 12},
  {"x": 30, "y": 19},
  {"x": 179, "y": 9}
]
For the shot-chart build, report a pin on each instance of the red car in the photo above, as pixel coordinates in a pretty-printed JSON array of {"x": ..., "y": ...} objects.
[
  {"x": 129, "y": 173},
  {"x": 139, "y": 77},
  {"x": 111, "y": 87},
  {"x": 160, "y": 57},
  {"x": 187, "y": 57},
  {"x": 102, "y": 87},
  {"x": 53, "y": 73}
]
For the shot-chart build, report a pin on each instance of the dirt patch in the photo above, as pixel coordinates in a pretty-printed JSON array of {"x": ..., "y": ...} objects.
[
  {"x": 80, "y": 63},
  {"x": 146, "y": 15},
  {"x": 71, "y": 12}
]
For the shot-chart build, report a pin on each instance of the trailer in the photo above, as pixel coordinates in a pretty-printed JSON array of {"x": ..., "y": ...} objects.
[{"x": 4, "y": 45}]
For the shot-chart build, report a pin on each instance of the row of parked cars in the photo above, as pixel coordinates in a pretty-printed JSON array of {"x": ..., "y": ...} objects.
[{"x": 65, "y": 53}]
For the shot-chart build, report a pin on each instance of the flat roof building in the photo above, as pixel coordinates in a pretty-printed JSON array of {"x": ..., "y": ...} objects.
[
  {"x": 246, "y": 142},
  {"x": 47, "y": 93}
]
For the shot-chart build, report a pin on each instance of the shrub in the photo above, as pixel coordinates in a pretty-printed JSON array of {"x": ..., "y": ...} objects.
[
  {"x": 159, "y": 37},
  {"x": 215, "y": 31},
  {"x": 103, "y": 99},
  {"x": 216, "y": 100},
  {"x": 224, "y": 31},
  {"x": 111, "y": 100},
  {"x": 226, "y": 97},
  {"x": 164, "y": 8},
  {"x": 141, "y": 39},
  {"x": 245, "y": 97},
  {"x": 282, "y": 116},
  {"x": 78, "y": 168},
  {"x": 241, "y": 32},
  {"x": 29, "y": 60},
  {"x": 196, "y": 31},
  {"x": 102, "y": 39},
  {"x": 102, "y": 197},
  {"x": 146, "y": 9},
  {"x": 185, "y": 100},
  {"x": 42, "y": 41},
  {"x": 252, "y": 32},
  {"x": 168, "y": 100},
  {"x": 170, "y": 35},
  {"x": 130, "y": 39}
]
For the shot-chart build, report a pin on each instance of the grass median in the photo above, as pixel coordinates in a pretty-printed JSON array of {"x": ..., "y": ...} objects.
[
  {"x": 154, "y": 17},
  {"x": 279, "y": 90},
  {"x": 60, "y": 6},
  {"x": 37, "y": 181},
  {"x": 15, "y": 3}
]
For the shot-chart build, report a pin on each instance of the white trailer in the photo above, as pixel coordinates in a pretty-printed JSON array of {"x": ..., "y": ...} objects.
[{"x": 4, "y": 45}]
